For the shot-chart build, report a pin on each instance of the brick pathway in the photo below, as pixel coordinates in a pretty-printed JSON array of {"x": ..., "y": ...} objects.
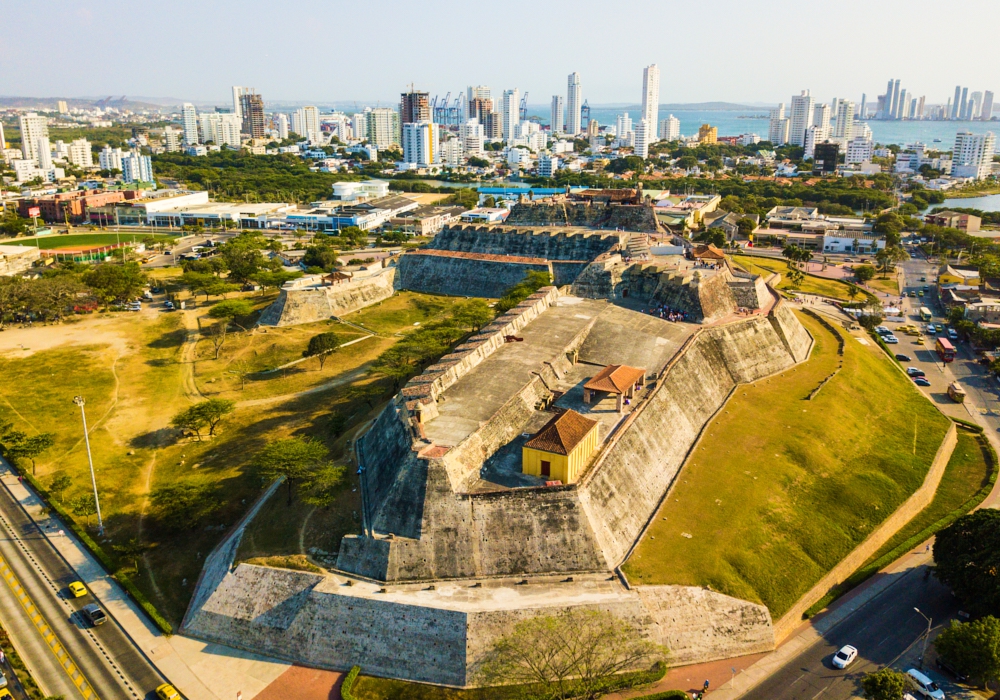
[{"x": 301, "y": 683}]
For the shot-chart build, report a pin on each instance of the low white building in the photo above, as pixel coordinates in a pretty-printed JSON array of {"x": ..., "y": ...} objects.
[
  {"x": 16, "y": 258},
  {"x": 859, "y": 150},
  {"x": 360, "y": 191},
  {"x": 547, "y": 165},
  {"x": 852, "y": 242}
]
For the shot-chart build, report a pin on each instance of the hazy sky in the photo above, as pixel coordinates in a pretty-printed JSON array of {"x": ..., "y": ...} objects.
[{"x": 367, "y": 50}]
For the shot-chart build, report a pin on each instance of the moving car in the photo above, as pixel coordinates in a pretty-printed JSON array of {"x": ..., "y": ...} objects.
[
  {"x": 94, "y": 613},
  {"x": 844, "y": 657},
  {"x": 952, "y": 334},
  {"x": 77, "y": 589},
  {"x": 903, "y": 358},
  {"x": 920, "y": 381},
  {"x": 915, "y": 372},
  {"x": 167, "y": 692},
  {"x": 924, "y": 685}
]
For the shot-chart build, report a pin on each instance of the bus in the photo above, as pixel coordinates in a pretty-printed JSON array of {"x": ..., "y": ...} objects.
[
  {"x": 945, "y": 350},
  {"x": 925, "y": 313},
  {"x": 956, "y": 393}
]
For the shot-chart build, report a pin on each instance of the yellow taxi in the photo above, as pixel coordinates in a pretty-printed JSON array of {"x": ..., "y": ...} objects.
[
  {"x": 167, "y": 692},
  {"x": 77, "y": 589},
  {"x": 4, "y": 693}
]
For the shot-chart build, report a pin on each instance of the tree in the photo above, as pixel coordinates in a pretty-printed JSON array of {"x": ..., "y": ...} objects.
[
  {"x": 131, "y": 550},
  {"x": 746, "y": 226},
  {"x": 852, "y": 291},
  {"x": 967, "y": 554},
  {"x": 231, "y": 309},
  {"x": 297, "y": 459},
  {"x": 243, "y": 255},
  {"x": 25, "y": 447},
  {"x": 687, "y": 162},
  {"x": 973, "y": 648},
  {"x": 354, "y": 235},
  {"x": 83, "y": 505},
  {"x": 320, "y": 347},
  {"x": 13, "y": 294},
  {"x": 59, "y": 485},
  {"x": 204, "y": 414},
  {"x": 712, "y": 236},
  {"x": 474, "y": 313},
  {"x": 183, "y": 505},
  {"x": 864, "y": 273},
  {"x": 324, "y": 485},
  {"x": 218, "y": 334},
  {"x": 321, "y": 254},
  {"x": 885, "y": 684},
  {"x": 113, "y": 282},
  {"x": 242, "y": 369},
  {"x": 571, "y": 654}
]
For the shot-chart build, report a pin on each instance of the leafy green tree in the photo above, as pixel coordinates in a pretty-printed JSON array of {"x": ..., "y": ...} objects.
[
  {"x": 83, "y": 506},
  {"x": 477, "y": 162},
  {"x": 320, "y": 347},
  {"x": 746, "y": 226},
  {"x": 467, "y": 197},
  {"x": 297, "y": 459},
  {"x": 571, "y": 654},
  {"x": 973, "y": 648},
  {"x": 474, "y": 313},
  {"x": 23, "y": 446},
  {"x": 354, "y": 236},
  {"x": 231, "y": 309},
  {"x": 12, "y": 225},
  {"x": 183, "y": 505},
  {"x": 514, "y": 295},
  {"x": 204, "y": 414},
  {"x": 244, "y": 255},
  {"x": 967, "y": 554},
  {"x": 885, "y": 684},
  {"x": 626, "y": 164},
  {"x": 131, "y": 549},
  {"x": 274, "y": 279},
  {"x": 112, "y": 282},
  {"x": 324, "y": 485},
  {"x": 321, "y": 254},
  {"x": 712, "y": 236},
  {"x": 864, "y": 273},
  {"x": 58, "y": 486}
]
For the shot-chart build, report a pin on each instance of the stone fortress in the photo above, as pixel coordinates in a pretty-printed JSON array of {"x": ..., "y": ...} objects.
[{"x": 460, "y": 540}]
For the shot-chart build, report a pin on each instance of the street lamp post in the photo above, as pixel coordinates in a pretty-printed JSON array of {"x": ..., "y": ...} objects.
[
  {"x": 927, "y": 635},
  {"x": 78, "y": 400}
]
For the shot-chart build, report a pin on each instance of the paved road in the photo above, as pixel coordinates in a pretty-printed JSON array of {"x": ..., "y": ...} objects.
[{"x": 105, "y": 655}]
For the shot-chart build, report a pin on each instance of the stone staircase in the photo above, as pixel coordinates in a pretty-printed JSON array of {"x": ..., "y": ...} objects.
[{"x": 638, "y": 245}]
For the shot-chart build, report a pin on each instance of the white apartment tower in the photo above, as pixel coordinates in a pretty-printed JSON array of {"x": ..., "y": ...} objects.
[
  {"x": 44, "y": 151},
  {"x": 420, "y": 143},
  {"x": 305, "y": 122},
  {"x": 651, "y": 94},
  {"x": 859, "y": 150},
  {"x": 171, "y": 139},
  {"x": 573, "y": 104},
  {"x": 510, "y": 113},
  {"x": 845, "y": 120},
  {"x": 986, "y": 115},
  {"x": 670, "y": 128},
  {"x": 33, "y": 127},
  {"x": 778, "y": 130},
  {"x": 473, "y": 136},
  {"x": 382, "y": 127},
  {"x": 972, "y": 155},
  {"x": 801, "y": 118},
  {"x": 821, "y": 119},
  {"x": 557, "y": 120},
  {"x": 281, "y": 124},
  {"x": 189, "y": 116},
  {"x": 110, "y": 158},
  {"x": 624, "y": 126},
  {"x": 80, "y": 154},
  {"x": 643, "y": 137}
]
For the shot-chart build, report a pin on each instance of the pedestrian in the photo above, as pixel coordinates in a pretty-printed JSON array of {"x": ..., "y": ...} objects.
[
  {"x": 3, "y": 657},
  {"x": 705, "y": 688}
]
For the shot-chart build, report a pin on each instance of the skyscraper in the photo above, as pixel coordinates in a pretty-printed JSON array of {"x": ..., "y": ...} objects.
[
  {"x": 902, "y": 106},
  {"x": 821, "y": 119},
  {"x": 670, "y": 128},
  {"x": 651, "y": 95},
  {"x": 573, "y": 104},
  {"x": 963, "y": 108},
  {"x": 382, "y": 127},
  {"x": 510, "y": 114},
  {"x": 420, "y": 143},
  {"x": 414, "y": 106},
  {"x": 33, "y": 127},
  {"x": 623, "y": 126},
  {"x": 886, "y": 103},
  {"x": 3, "y": 141},
  {"x": 976, "y": 99},
  {"x": 189, "y": 117},
  {"x": 845, "y": 121},
  {"x": 252, "y": 106},
  {"x": 986, "y": 115},
  {"x": 894, "y": 109},
  {"x": 956, "y": 102},
  {"x": 238, "y": 93},
  {"x": 777, "y": 132},
  {"x": 643, "y": 136},
  {"x": 863, "y": 110},
  {"x": 558, "y": 116},
  {"x": 281, "y": 124},
  {"x": 972, "y": 155},
  {"x": 801, "y": 118},
  {"x": 305, "y": 122}
]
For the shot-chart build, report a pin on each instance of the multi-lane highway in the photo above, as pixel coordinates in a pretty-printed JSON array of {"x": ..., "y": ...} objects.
[{"x": 66, "y": 655}]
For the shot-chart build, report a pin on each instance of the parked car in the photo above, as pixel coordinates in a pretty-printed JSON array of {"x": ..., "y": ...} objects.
[
  {"x": 168, "y": 305},
  {"x": 915, "y": 372},
  {"x": 3, "y": 680},
  {"x": 882, "y": 330},
  {"x": 924, "y": 685},
  {"x": 890, "y": 339},
  {"x": 94, "y": 613},
  {"x": 951, "y": 670},
  {"x": 903, "y": 358},
  {"x": 845, "y": 657},
  {"x": 921, "y": 381}
]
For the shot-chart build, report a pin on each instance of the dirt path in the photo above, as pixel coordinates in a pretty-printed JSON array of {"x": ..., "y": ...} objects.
[
  {"x": 142, "y": 517},
  {"x": 302, "y": 530},
  {"x": 339, "y": 381},
  {"x": 188, "y": 351}
]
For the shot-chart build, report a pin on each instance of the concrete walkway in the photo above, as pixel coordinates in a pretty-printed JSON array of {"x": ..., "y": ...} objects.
[{"x": 199, "y": 670}]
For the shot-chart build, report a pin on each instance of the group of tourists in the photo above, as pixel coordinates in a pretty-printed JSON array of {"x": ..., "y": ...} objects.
[{"x": 666, "y": 313}]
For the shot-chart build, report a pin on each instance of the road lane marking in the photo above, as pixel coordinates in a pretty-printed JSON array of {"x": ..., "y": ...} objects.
[{"x": 74, "y": 673}]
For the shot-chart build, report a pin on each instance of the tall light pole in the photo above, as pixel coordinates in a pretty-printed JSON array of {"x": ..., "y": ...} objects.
[
  {"x": 927, "y": 636},
  {"x": 78, "y": 400}
]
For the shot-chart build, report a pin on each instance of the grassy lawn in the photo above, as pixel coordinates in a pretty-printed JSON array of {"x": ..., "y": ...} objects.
[
  {"x": 889, "y": 284},
  {"x": 772, "y": 498},
  {"x": 84, "y": 239},
  {"x": 810, "y": 285}
]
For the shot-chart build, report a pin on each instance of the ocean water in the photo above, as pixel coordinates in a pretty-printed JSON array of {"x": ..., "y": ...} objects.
[{"x": 734, "y": 123}]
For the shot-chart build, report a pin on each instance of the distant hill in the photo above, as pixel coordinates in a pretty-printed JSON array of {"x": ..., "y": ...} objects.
[{"x": 50, "y": 103}]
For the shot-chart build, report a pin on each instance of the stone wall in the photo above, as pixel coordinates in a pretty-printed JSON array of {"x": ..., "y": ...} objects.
[
  {"x": 705, "y": 295},
  {"x": 561, "y": 212},
  {"x": 581, "y": 246},
  {"x": 311, "y": 304},
  {"x": 468, "y": 275}
]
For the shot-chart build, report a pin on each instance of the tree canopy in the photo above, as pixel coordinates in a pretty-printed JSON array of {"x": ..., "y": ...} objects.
[
  {"x": 967, "y": 554},
  {"x": 321, "y": 345},
  {"x": 299, "y": 460},
  {"x": 114, "y": 282},
  {"x": 885, "y": 684},
  {"x": 973, "y": 648},
  {"x": 202, "y": 415}
]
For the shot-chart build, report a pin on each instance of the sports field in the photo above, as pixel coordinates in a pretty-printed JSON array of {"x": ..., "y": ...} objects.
[
  {"x": 78, "y": 240},
  {"x": 781, "y": 488}
]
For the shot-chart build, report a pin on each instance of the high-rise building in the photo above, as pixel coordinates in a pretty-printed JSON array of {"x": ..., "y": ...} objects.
[
  {"x": 623, "y": 126},
  {"x": 825, "y": 157},
  {"x": 383, "y": 127},
  {"x": 281, "y": 126},
  {"x": 359, "y": 125},
  {"x": 171, "y": 139},
  {"x": 479, "y": 107},
  {"x": 956, "y": 102},
  {"x": 414, "y": 106},
  {"x": 963, "y": 107},
  {"x": 492, "y": 125},
  {"x": 510, "y": 114},
  {"x": 547, "y": 165},
  {"x": 801, "y": 118},
  {"x": 252, "y": 106},
  {"x": 859, "y": 150},
  {"x": 894, "y": 107},
  {"x": 670, "y": 128},
  {"x": 919, "y": 112},
  {"x": 708, "y": 134},
  {"x": 777, "y": 132},
  {"x": 651, "y": 94},
  {"x": 479, "y": 92},
  {"x": 420, "y": 143},
  {"x": 845, "y": 121},
  {"x": 573, "y": 104},
  {"x": 238, "y": 93},
  {"x": 813, "y": 134},
  {"x": 305, "y": 123},
  {"x": 110, "y": 158},
  {"x": 977, "y": 104},
  {"x": 558, "y": 116},
  {"x": 3, "y": 141},
  {"x": 972, "y": 155},
  {"x": 821, "y": 120},
  {"x": 473, "y": 137},
  {"x": 987, "y": 113},
  {"x": 643, "y": 137},
  {"x": 189, "y": 117},
  {"x": 863, "y": 110},
  {"x": 80, "y": 154},
  {"x": 61, "y": 106},
  {"x": 44, "y": 151},
  {"x": 903, "y": 108},
  {"x": 33, "y": 127},
  {"x": 136, "y": 167}
]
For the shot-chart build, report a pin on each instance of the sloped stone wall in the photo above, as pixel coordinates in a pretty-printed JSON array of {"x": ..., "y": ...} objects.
[
  {"x": 471, "y": 275},
  {"x": 310, "y": 304},
  {"x": 581, "y": 246}
]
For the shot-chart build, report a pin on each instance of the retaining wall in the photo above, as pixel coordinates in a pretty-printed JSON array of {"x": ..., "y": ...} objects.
[
  {"x": 464, "y": 274},
  {"x": 550, "y": 245},
  {"x": 311, "y": 304}
]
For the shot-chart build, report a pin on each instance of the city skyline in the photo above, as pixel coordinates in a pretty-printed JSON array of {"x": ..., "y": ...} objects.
[{"x": 537, "y": 68}]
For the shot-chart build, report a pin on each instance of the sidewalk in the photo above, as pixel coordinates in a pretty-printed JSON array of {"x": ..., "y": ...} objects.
[{"x": 199, "y": 670}]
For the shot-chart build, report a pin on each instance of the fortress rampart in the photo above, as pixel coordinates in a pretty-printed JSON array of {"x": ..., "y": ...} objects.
[{"x": 308, "y": 304}]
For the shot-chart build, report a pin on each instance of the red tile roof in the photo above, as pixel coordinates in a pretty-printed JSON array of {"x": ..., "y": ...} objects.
[
  {"x": 615, "y": 379},
  {"x": 561, "y": 434}
]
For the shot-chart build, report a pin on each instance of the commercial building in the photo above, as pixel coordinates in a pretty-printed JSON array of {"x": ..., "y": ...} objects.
[
  {"x": 80, "y": 153},
  {"x": 557, "y": 115},
  {"x": 972, "y": 155},
  {"x": 189, "y": 117},
  {"x": 670, "y": 128},
  {"x": 825, "y": 157},
  {"x": 368, "y": 216},
  {"x": 708, "y": 134},
  {"x": 383, "y": 127},
  {"x": 426, "y": 221},
  {"x": 573, "y": 104},
  {"x": 801, "y": 118},
  {"x": 356, "y": 192},
  {"x": 253, "y": 115},
  {"x": 69, "y": 206},
  {"x": 420, "y": 143},
  {"x": 651, "y": 95},
  {"x": 968, "y": 223},
  {"x": 33, "y": 127}
]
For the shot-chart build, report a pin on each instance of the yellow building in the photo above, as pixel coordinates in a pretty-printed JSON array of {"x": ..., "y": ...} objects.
[
  {"x": 561, "y": 449},
  {"x": 955, "y": 275},
  {"x": 708, "y": 134}
]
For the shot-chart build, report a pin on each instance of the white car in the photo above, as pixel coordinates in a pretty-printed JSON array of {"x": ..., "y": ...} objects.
[
  {"x": 890, "y": 339},
  {"x": 845, "y": 657},
  {"x": 924, "y": 685}
]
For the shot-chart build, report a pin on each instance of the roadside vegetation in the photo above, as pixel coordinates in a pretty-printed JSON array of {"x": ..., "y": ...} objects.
[{"x": 763, "y": 512}]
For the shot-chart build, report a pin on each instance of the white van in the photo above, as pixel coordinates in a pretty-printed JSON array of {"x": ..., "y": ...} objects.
[{"x": 924, "y": 685}]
